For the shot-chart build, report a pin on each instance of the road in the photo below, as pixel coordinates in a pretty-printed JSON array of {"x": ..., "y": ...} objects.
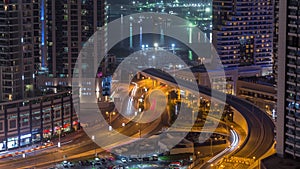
[{"x": 260, "y": 126}]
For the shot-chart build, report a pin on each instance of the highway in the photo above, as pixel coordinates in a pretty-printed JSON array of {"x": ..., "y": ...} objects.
[
  {"x": 260, "y": 126},
  {"x": 259, "y": 140}
]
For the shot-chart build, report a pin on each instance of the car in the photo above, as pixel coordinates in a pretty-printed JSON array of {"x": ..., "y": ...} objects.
[
  {"x": 65, "y": 164},
  {"x": 146, "y": 159},
  {"x": 124, "y": 160},
  {"x": 155, "y": 158},
  {"x": 134, "y": 159},
  {"x": 87, "y": 163},
  {"x": 80, "y": 163},
  {"x": 71, "y": 164},
  {"x": 103, "y": 160},
  {"x": 175, "y": 165},
  {"x": 97, "y": 161}
]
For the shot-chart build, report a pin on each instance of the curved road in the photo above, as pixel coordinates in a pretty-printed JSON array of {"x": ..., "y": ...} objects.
[{"x": 260, "y": 126}]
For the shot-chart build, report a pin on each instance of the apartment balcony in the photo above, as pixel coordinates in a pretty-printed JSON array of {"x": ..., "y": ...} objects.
[
  {"x": 293, "y": 7},
  {"x": 291, "y": 83},
  {"x": 290, "y": 135},
  {"x": 291, "y": 74},
  {"x": 294, "y": 4},
  {"x": 289, "y": 143},
  {"x": 289, "y": 151},
  {"x": 297, "y": 154},
  {"x": 290, "y": 126},
  {"x": 290, "y": 116},
  {"x": 297, "y": 145}
]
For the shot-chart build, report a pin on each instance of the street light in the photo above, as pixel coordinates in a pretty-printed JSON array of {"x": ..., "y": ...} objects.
[
  {"x": 110, "y": 114},
  {"x": 59, "y": 132},
  {"x": 140, "y": 131},
  {"x": 93, "y": 138},
  {"x": 211, "y": 149},
  {"x": 173, "y": 47},
  {"x": 155, "y": 45}
]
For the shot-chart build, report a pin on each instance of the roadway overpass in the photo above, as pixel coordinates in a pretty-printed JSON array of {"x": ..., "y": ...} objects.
[{"x": 260, "y": 136}]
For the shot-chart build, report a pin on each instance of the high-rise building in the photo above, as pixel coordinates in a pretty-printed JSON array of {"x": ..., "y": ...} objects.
[
  {"x": 243, "y": 32},
  {"x": 288, "y": 106},
  {"x": 275, "y": 38},
  {"x": 18, "y": 51},
  {"x": 69, "y": 24}
]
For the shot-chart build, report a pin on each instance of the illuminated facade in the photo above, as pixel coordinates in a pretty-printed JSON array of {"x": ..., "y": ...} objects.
[
  {"x": 260, "y": 91},
  {"x": 19, "y": 48},
  {"x": 217, "y": 77},
  {"x": 26, "y": 122},
  {"x": 69, "y": 24},
  {"x": 288, "y": 105},
  {"x": 243, "y": 32}
]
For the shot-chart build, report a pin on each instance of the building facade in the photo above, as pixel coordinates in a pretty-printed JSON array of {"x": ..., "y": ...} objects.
[
  {"x": 243, "y": 32},
  {"x": 69, "y": 24},
  {"x": 288, "y": 105},
  {"x": 215, "y": 79},
  {"x": 260, "y": 91},
  {"x": 19, "y": 34},
  {"x": 24, "y": 122}
]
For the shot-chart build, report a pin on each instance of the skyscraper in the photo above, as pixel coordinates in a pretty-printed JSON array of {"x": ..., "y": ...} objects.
[
  {"x": 243, "y": 32},
  {"x": 69, "y": 24},
  {"x": 17, "y": 48},
  {"x": 288, "y": 106},
  {"x": 275, "y": 38}
]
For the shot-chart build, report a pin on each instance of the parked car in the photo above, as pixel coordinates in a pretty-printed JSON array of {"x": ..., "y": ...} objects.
[
  {"x": 71, "y": 164},
  {"x": 175, "y": 165},
  {"x": 124, "y": 160},
  {"x": 65, "y": 164}
]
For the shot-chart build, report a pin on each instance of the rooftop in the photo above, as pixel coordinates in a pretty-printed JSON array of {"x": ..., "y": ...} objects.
[
  {"x": 263, "y": 80},
  {"x": 275, "y": 162}
]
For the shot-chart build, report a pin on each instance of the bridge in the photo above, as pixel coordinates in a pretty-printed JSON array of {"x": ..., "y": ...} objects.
[{"x": 260, "y": 136}]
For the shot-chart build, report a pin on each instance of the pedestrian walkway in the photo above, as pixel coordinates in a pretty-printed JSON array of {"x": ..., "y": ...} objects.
[{"x": 40, "y": 146}]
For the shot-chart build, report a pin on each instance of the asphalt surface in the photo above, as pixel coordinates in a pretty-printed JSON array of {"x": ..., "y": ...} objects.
[{"x": 261, "y": 127}]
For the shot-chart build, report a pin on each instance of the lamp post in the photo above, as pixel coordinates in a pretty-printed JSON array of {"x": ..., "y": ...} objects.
[
  {"x": 140, "y": 131},
  {"x": 93, "y": 138},
  {"x": 155, "y": 45},
  {"x": 59, "y": 132},
  {"x": 211, "y": 149},
  {"x": 110, "y": 114},
  {"x": 173, "y": 48}
]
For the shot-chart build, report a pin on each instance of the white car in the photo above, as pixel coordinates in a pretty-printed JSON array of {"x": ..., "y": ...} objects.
[
  {"x": 65, "y": 164},
  {"x": 70, "y": 164},
  {"x": 124, "y": 160}
]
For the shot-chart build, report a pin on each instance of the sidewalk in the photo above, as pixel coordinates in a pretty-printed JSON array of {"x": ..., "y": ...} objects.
[{"x": 41, "y": 146}]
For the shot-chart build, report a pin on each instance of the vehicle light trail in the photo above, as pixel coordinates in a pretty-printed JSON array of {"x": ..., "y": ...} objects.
[{"x": 234, "y": 144}]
